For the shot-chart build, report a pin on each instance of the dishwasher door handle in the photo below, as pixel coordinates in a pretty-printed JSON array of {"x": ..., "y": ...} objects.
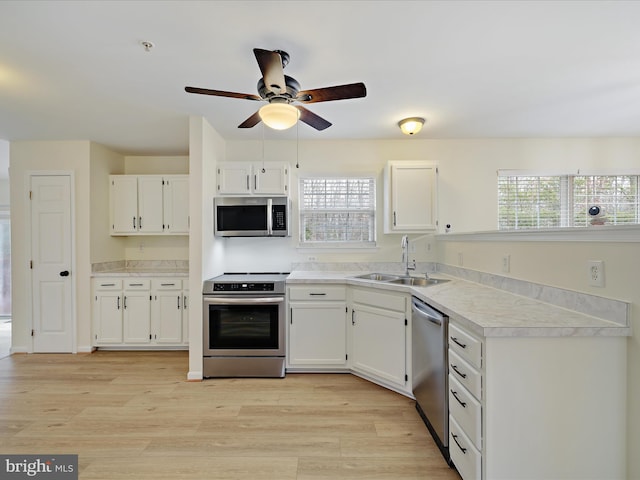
[{"x": 418, "y": 307}]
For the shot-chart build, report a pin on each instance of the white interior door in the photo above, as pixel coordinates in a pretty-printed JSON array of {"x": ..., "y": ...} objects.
[{"x": 51, "y": 263}]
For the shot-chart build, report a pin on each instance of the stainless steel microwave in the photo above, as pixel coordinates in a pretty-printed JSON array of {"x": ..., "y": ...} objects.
[{"x": 251, "y": 216}]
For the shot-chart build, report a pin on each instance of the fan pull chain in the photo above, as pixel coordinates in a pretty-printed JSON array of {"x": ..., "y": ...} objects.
[
  {"x": 298, "y": 144},
  {"x": 263, "y": 169}
]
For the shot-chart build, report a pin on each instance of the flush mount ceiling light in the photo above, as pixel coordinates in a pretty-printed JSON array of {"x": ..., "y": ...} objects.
[
  {"x": 279, "y": 115},
  {"x": 411, "y": 126}
]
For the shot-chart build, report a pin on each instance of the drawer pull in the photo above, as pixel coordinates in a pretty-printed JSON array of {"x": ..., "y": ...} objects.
[
  {"x": 135, "y": 284},
  {"x": 317, "y": 294},
  {"x": 455, "y": 369},
  {"x": 455, "y": 395},
  {"x": 457, "y": 342},
  {"x": 167, "y": 284},
  {"x": 455, "y": 439},
  {"x": 107, "y": 284}
]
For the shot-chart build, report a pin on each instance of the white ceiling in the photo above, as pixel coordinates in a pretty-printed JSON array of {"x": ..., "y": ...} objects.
[{"x": 72, "y": 70}]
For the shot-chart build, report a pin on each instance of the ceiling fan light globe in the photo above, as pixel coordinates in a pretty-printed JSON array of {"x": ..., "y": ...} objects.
[
  {"x": 411, "y": 126},
  {"x": 279, "y": 116}
]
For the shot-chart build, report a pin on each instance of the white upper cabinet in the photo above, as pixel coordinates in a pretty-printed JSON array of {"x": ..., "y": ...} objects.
[
  {"x": 410, "y": 196},
  {"x": 248, "y": 178},
  {"x": 149, "y": 204},
  {"x": 176, "y": 204}
]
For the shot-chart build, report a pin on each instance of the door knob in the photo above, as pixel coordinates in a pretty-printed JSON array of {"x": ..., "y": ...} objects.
[{"x": 64, "y": 273}]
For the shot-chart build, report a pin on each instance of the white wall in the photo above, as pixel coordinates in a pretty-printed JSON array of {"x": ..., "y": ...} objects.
[
  {"x": 104, "y": 247},
  {"x": 206, "y": 149}
]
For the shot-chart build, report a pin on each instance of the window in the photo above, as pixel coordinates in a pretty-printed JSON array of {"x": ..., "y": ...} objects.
[
  {"x": 338, "y": 211},
  {"x": 529, "y": 200}
]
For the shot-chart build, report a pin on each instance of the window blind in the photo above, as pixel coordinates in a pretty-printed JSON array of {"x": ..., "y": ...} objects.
[{"x": 337, "y": 210}]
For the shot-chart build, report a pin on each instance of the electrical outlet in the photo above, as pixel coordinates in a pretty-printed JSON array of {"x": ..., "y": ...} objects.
[
  {"x": 595, "y": 270},
  {"x": 506, "y": 263}
]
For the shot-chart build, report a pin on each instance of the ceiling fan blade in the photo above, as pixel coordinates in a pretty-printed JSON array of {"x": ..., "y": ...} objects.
[
  {"x": 250, "y": 122},
  {"x": 339, "y": 92},
  {"x": 312, "y": 119},
  {"x": 270, "y": 64},
  {"x": 221, "y": 93}
]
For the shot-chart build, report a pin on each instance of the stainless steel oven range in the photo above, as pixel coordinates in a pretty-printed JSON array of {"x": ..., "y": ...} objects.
[{"x": 244, "y": 325}]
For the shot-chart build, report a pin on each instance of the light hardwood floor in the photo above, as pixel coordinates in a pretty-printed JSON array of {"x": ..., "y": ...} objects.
[{"x": 132, "y": 415}]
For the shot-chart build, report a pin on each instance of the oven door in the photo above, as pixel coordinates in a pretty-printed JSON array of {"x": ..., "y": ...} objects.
[{"x": 243, "y": 327}]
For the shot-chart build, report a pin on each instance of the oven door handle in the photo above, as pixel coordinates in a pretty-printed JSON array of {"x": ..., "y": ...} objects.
[{"x": 243, "y": 301}]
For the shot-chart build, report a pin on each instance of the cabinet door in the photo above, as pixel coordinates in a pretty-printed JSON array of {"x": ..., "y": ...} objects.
[
  {"x": 317, "y": 334},
  {"x": 271, "y": 179},
  {"x": 137, "y": 317},
  {"x": 167, "y": 316},
  {"x": 411, "y": 197},
  {"x": 234, "y": 178},
  {"x": 123, "y": 193},
  {"x": 107, "y": 315},
  {"x": 150, "y": 215},
  {"x": 176, "y": 204},
  {"x": 379, "y": 344}
]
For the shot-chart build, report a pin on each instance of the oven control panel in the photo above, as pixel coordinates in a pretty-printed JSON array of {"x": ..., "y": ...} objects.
[{"x": 244, "y": 287}]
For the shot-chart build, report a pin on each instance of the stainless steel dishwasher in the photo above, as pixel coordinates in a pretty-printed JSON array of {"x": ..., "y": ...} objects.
[{"x": 429, "y": 352}]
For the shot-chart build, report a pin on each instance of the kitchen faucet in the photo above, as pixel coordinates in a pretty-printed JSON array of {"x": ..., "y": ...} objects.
[{"x": 405, "y": 255}]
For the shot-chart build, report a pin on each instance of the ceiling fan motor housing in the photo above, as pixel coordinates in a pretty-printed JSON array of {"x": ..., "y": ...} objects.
[{"x": 293, "y": 87}]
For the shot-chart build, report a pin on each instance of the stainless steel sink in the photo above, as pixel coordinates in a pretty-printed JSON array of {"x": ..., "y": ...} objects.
[
  {"x": 380, "y": 277},
  {"x": 418, "y": 282}
]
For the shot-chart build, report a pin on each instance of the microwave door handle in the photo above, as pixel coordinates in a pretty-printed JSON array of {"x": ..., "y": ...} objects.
[{"x": 269, "y": 217}]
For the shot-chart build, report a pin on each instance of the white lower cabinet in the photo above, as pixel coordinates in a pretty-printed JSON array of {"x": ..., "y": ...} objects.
[
  {"x": 136, "y": 306},
  {"x": 139, "y": 312},
  {"x": 379, "y": 338},
  {"x": 465, "y": 401},
  {"x": 317, "y": 328},
  {"x": 536, "y": 407}
]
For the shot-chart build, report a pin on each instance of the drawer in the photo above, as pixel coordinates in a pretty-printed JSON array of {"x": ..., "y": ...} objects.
[
  {"x": 466, "y": 410},
  {"x": 166, "y": 284},
  {"x": 108, "y": 284},
  {"x": 466, "y": 374},
  {"x": 465, "y": 345},
  {"x": 317, "y": 293},
  {"x": 466, "y": 457},
  {"x": 137, "y": 284},
  {"x": 381, "y": 300}
]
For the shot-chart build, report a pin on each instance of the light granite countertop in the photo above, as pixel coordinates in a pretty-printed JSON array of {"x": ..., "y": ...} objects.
[
  {"x": 488, "y": 311},
  {"x": 126, "y": 272}
]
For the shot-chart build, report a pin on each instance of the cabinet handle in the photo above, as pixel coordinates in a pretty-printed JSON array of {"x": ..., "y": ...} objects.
[
  {"x": 317, "y": 294},
  {"x": 167, "y": 284},
  {"x": 184, "y": 302},
  {"x": 455, "y": 395},
  {"x": 455, "y": 369},
  {"x": 178, "y": 302},
  {"x": 118, "y": 302},
  {"x": 124, "y": 303},
  {"x": 457, "y": 342},
  {"x": 394, "y": 219},
  {"x": 135, "y": 284},
  {"x": 248, "y": 186},
  {"x": 134, "y": 223},
  {"x": 255, "y": 182},
  {"x": 353, "y": 320},
  {"x": 455, "y": 439},
  {"x": 107, "y": 284},
  {"x": 139, "y": 223}
]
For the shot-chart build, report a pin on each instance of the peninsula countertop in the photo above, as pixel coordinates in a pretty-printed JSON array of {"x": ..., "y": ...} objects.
[{"x": 488, "y": 311}]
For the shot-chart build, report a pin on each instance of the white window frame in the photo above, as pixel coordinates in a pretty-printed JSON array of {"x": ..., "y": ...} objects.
[
  {"x": 340, "y": 245},
  {"x": 566, "y": 193}
]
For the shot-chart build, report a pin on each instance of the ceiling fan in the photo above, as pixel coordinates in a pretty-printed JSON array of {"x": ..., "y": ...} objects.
[{"x": 281, "y": 91}]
